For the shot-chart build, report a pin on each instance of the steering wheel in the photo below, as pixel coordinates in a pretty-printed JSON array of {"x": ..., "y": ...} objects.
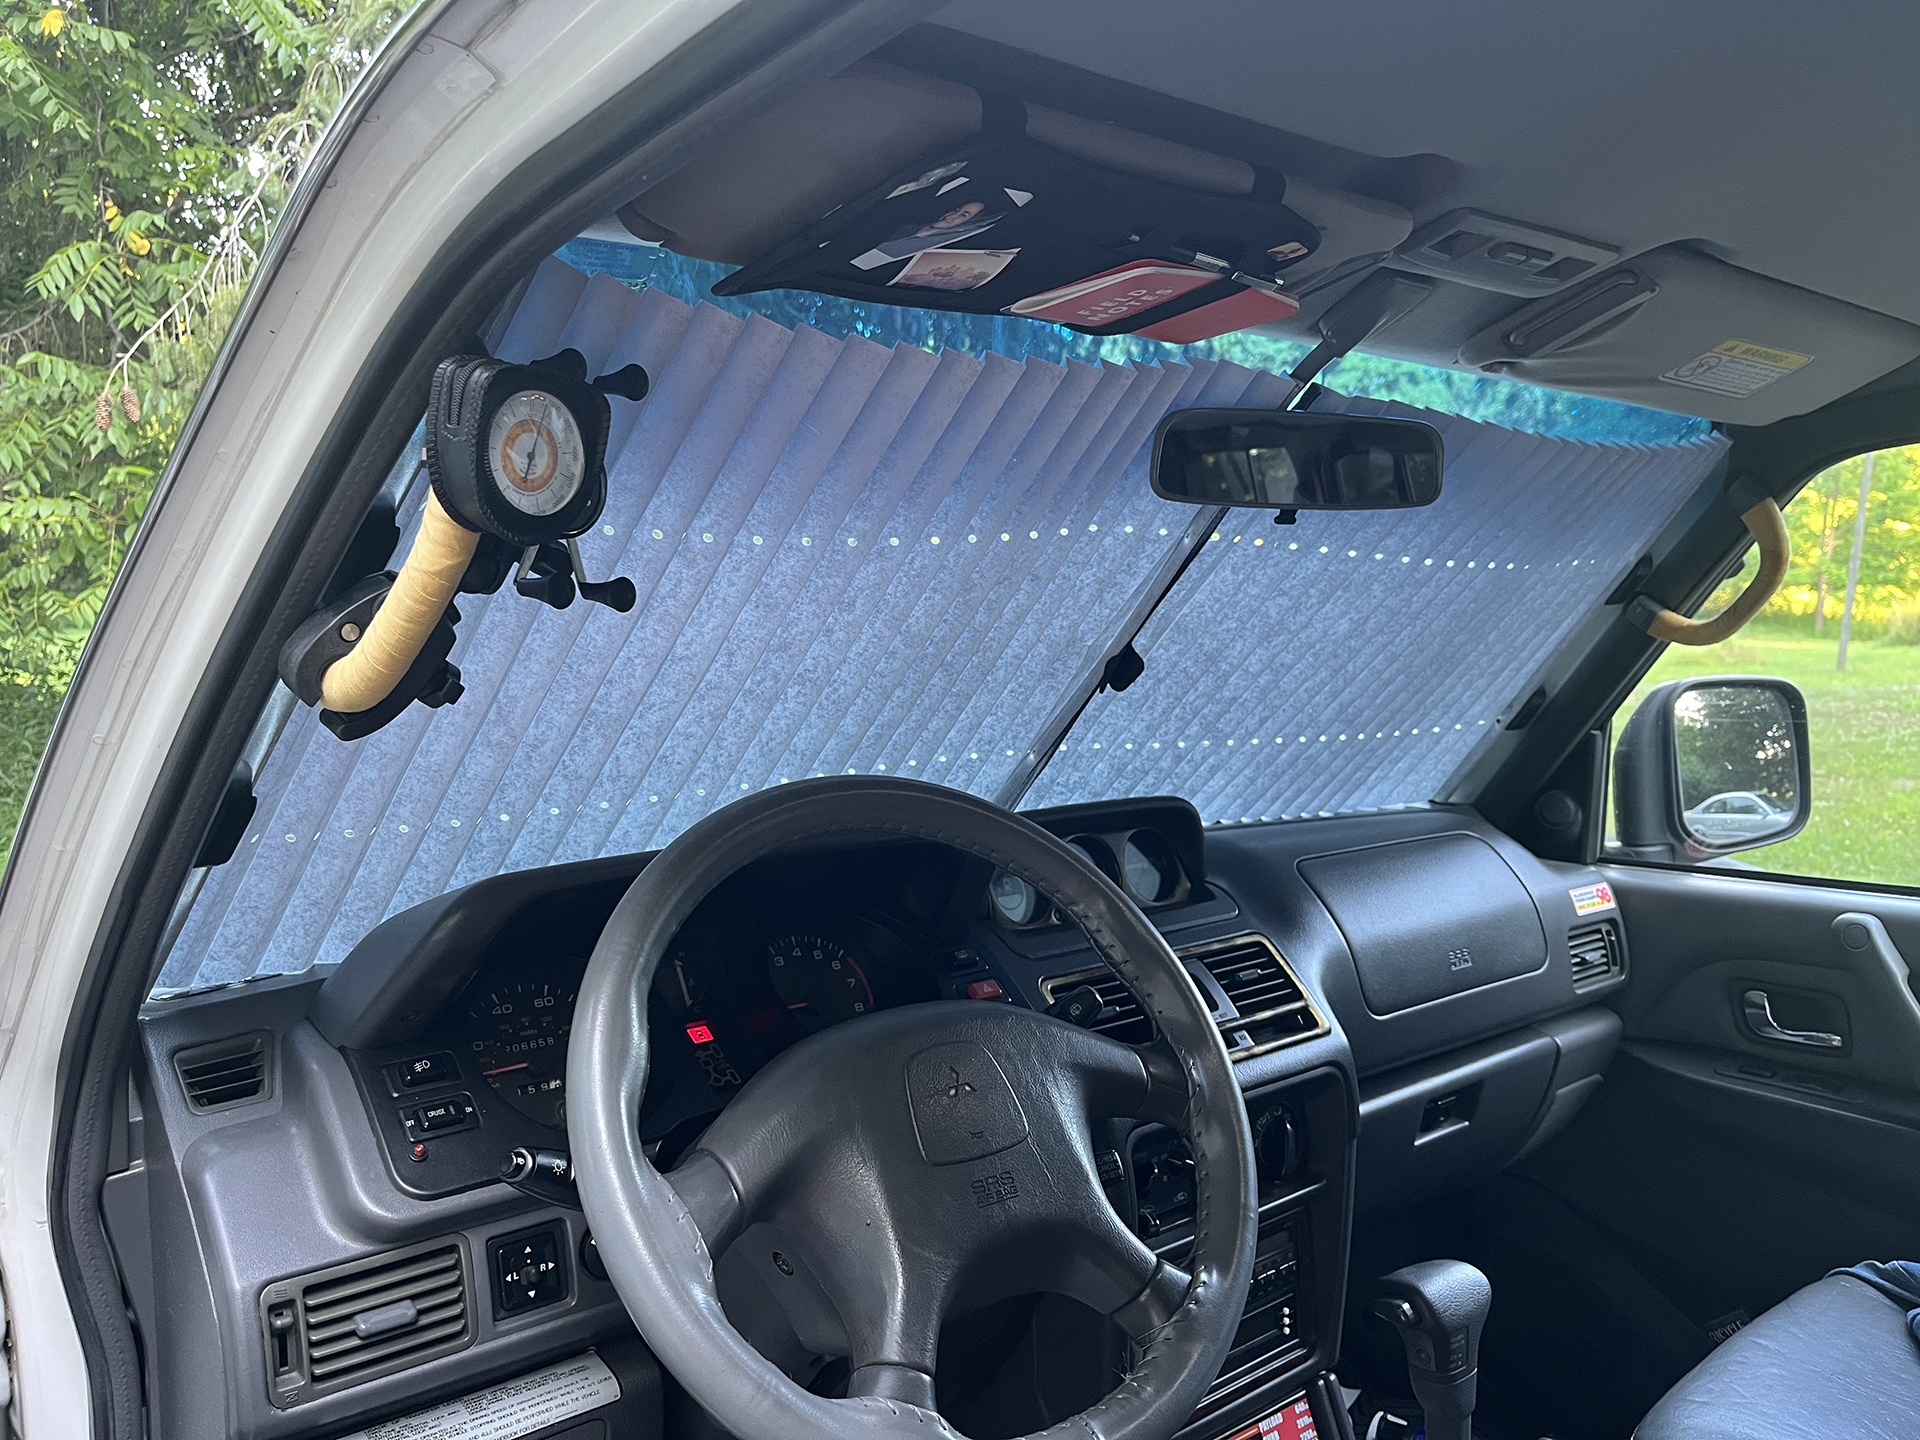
[{"x": 917, "y": 1162}]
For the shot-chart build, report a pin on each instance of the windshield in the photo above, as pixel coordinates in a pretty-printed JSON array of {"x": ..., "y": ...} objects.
[{"x": 911, "y": 558}]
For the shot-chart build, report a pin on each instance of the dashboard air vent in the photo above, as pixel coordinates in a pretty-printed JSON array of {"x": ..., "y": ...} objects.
[
  {"x": 353, "y": 1323},
  {"x": 1270, "y": 1006},
  {"x": 1120, "y": 1018},
  {"x": 226, "y": 1073},
  {"x": 1597, "y": 954}
]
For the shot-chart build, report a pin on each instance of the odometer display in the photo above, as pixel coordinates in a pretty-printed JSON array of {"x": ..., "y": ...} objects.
[{"x": 517, "y": 1026}]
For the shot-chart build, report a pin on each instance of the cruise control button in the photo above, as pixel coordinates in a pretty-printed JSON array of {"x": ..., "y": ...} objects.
[{"x": 453, "y": 1113}]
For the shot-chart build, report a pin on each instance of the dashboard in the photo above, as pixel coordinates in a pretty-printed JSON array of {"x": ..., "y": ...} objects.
[{"x": 445, "y": 1033}]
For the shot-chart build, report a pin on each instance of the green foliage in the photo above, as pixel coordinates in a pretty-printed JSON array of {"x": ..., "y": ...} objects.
[
  {"x": 1821, "y": 523},
  {"x": 145, "y": 147},
  {"x": 1904, "y": 627}
]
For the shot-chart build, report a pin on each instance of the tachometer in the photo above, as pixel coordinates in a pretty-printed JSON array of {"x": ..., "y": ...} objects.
[
  {"x": 517, "y": 1035},
  {"x": 818, "y": 981}
]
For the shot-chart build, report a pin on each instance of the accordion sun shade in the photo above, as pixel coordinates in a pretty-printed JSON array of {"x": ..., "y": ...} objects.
[{"x": 856, "y": 559}]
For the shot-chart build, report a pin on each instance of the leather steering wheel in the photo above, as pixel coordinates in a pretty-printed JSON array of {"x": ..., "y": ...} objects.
[{"x": 917, "y": 1162}]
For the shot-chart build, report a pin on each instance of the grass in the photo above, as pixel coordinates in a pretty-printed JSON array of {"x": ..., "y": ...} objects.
[{"x": 1864, "y": 734}]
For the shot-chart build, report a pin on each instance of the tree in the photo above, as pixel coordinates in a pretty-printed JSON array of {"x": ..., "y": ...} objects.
[
  {"x": 147, "y": 146},
  {"x": 1820, "y": 522}
]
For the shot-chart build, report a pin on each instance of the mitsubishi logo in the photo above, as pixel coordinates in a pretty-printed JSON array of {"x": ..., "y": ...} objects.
[{"x": 959, "y": 1087}]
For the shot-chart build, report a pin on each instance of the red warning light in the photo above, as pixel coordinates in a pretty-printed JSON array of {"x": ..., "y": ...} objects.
[{"x": 700, "y": 1034}]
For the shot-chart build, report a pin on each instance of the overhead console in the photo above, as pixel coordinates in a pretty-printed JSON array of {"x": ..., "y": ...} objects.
[{"x": 1677, "y": 329}]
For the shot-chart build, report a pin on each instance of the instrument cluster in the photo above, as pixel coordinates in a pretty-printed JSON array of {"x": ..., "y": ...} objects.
[{"x": 733, "y": 992}]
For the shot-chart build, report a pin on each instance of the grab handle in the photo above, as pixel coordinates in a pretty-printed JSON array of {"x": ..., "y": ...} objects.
[{"x": 1769, "y": 530}]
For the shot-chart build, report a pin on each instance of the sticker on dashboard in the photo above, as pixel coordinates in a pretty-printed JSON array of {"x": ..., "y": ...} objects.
[
  {"x": 506, "y": 1412},
  {"x": 1292, "y": 1421},
  {"x": 1589, "y": 898}
]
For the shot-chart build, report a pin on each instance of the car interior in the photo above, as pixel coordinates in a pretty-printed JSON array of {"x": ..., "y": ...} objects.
[{"x": 925, "y": 887}]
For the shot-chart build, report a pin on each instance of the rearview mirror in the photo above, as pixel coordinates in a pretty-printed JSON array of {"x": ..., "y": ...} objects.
[
  {"x": 1711, "y": 766},
  {"x": 1289, "y": 460}
]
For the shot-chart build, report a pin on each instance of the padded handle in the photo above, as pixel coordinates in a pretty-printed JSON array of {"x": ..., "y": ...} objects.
[
  {"x": 1769, "y": 530},
  {"x": 426, "y": 585}
]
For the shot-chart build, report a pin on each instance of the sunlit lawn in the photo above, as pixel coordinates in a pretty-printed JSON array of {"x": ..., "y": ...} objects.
[{"x": 1864, "y": 728}]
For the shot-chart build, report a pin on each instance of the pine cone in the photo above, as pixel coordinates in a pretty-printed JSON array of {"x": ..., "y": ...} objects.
[
  {"x": 103, "y": 411},
  {"x": 129, "y": 404}
]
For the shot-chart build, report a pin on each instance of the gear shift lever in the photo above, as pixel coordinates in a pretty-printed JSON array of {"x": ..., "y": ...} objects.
[{"x": 1439, "y": 1307}]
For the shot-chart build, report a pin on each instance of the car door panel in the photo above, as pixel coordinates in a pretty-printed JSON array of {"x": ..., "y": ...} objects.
[
  {"x": 1825, "y": 956},
  {"x": 1716, "y": 1172}
]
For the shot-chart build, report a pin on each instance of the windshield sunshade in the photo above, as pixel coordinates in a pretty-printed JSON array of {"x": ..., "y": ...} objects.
[
  {"x": 1354, "y": 661},
  {"x": 850, "y": 558},
  {"x": 856, "y": 558}
]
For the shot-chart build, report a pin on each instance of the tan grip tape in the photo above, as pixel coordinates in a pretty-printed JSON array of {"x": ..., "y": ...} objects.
[
  {"x": 1767, "y": 527},
  {"x": 428, "y": 580}
]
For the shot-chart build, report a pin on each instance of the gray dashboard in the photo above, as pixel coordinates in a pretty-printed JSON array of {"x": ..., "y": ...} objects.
[{"x": 1405, "y": 1070}]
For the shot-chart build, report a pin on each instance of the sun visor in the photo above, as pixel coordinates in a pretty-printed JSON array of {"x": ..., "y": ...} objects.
[
  {"x": 1357, "y": 233},
  {"x": 787, "y": 168},
  {"x": 1062, "y": 213},
  {"x": 1678, "y": 330}
]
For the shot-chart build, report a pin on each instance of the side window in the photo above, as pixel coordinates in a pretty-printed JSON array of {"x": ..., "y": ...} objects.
[{"x": 1844, "y": 628}]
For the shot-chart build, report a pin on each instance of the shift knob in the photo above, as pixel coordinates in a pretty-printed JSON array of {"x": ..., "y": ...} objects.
[{"x": 1439, "y": 1307}]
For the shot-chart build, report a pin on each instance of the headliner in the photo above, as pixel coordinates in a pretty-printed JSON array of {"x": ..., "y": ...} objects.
[{"x": 1779, "y": 137}]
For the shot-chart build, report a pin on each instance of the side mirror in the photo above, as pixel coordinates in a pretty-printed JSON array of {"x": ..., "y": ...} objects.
[
  {"x": 1288, "y": 460},
  {"x": 1710, "y": 766}
]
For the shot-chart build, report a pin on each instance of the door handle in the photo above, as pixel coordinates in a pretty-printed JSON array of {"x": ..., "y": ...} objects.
[{"x": 1759, "y": 1013}]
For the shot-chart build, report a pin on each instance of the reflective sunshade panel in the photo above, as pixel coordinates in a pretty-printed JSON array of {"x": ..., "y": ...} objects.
[
  {"x": 850, "y": 557},
  {"x": 1353, "y": 661},
  {"x": 887, "y": 559}
]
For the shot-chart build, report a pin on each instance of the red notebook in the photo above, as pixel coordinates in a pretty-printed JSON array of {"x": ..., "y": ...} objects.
[
  {"x": 1110, "y": 297},
  {"x": 1222, "y": 317}
]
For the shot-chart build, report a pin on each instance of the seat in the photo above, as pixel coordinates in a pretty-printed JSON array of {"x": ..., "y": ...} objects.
[{"x": 1835, "y": 1359}]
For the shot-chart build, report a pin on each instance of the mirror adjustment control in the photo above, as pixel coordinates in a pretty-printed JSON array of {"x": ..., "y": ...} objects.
[{"x": 529, "y": 1270}]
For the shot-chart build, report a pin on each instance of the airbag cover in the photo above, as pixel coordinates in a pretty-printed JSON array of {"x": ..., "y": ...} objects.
[
  {"x": 963, "y": 1108},
  {"x": 1429, "y": 918}
]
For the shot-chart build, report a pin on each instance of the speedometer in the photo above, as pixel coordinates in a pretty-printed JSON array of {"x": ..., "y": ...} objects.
[{"x": 517, "y": 1027}]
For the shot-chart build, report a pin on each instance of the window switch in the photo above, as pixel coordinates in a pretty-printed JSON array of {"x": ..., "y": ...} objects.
[{"x": 529, "y": 1270}]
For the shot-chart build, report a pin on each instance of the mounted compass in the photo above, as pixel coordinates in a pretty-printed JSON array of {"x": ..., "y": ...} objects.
[
  {"x": 519, "y": 451},
  {"x": 517, "y": 459}
]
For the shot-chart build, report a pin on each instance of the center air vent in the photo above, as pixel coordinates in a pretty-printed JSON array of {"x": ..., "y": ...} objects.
[
  {"x": 226, "y": 1073},
  {"x": 1597, "y": 954},
  {"x": 353, "y": 1323},
  {"x": 1270, "y": 1006}
]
